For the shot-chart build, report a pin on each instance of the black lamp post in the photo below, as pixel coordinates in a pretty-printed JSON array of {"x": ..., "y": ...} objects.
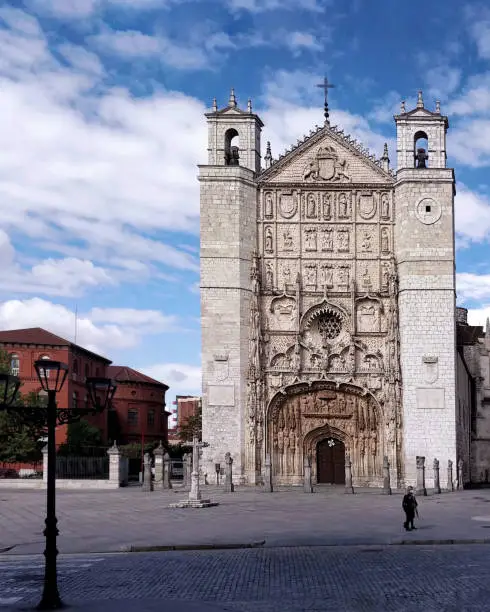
[{"x": 52, "y": 375}]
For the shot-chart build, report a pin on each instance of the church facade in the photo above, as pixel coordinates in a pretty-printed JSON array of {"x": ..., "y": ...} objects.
[{"x": 328, "y": 303}]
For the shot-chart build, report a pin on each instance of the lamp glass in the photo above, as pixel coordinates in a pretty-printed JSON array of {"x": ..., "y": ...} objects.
[
  {"x": 101, "y": 391},
  {"x": 52, "y": 374}
]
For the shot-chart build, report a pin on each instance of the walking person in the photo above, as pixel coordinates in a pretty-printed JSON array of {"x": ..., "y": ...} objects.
[{"x": 409, "y": 506}]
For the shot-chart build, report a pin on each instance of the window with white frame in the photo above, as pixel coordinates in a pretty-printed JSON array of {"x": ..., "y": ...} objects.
[{"x": 14, "y": 365}]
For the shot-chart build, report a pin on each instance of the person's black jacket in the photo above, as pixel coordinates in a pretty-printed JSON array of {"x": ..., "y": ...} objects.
[{"x": 409, "y": 503}]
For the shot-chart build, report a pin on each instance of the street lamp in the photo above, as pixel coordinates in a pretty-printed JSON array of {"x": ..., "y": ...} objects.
[{"x": 52, "y": 375}]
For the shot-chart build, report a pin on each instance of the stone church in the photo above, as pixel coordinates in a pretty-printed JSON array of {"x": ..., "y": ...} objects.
[{"x": 328, "y": 303}]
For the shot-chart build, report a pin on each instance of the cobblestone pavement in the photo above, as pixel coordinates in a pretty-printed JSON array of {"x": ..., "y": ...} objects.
[
  {"x": 98, "y": 521},
  {"x": 387, "y": 578}
]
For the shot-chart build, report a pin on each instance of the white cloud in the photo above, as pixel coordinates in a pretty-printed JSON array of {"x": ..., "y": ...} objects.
[
  {"x": 103, "y": 169},
  {"x": 64, "y": 9},
  {"x": 100, "y": 330},
  {"x": 442, "y": 81},
  {"x": 472, "y": 215},
  {"x": 183, "y": 379},
  {"x": 480, "y": 32},
  {"x": 262, "y": 6},
  {"x": 473, "y": 286},
  {"x": 479, "y": 316},
  {"x": 20, "y": 21}
]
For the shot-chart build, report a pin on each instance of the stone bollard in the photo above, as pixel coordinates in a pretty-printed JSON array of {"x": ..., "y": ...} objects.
[
  {"x": 268, "y": 488},
  {"x": 115, "y": 475},
  {"x": 229, "y": 486},
  {"x": 386, "y": 476},
  {"x": 307, "y": 486},
  {"x": 45, "y": 463},
  {"x": 167, "y": 471},
  {"x": 349, "y": 489},
  {"x": 158, "y": 454},
  {"x": 460, "y": 474},
  {"x": 450, "y": 481},
  {"x": 437, "y": 480},
  {"x": 147, "y": 479},
  {"x": 421, "y": 490}
]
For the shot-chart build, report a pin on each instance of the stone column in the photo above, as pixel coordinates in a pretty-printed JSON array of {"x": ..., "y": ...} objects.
[
  {"x": 158, "y": 454},
  {"x": 188, "y": 470},
  {"x": 460, "y": 474},
  {"x": 348, "y": 475},
  {"x": 229, "y": 486},
  {"x": 45, "y": 463},
  {"x": 450, "y": 481},
  {"x": 147, "y": 479},
  {"x": 114, "y": 465},
  {"x": 437, "y": 480},
  {"x": 167, "y": 471},
  {"x": 421, "y": 490},
  {"x": 386, "y": 476},
  {"x": 307, "y": 485},
  {"x": 195, "y": 492},
  {"x": 268, "y": 488}
]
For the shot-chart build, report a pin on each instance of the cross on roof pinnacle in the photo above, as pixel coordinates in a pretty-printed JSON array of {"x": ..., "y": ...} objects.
[{"x": 326, "y": 86}]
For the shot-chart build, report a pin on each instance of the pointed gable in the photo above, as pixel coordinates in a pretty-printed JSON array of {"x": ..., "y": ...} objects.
[{"x": 327, "y": 156}]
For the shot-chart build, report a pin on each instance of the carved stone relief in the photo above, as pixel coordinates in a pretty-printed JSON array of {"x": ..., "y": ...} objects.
[
  {"x": 368, "y": 319},
  {"x": 326, "y": 275},
  {"x": 268, "y": 205},
  {"x": 269, "y": 275},
  {"x": 326, "y": 166},
  {"x": 343, "y": 240},
  {"x": 283, "y": 311},
  {"x": 385, "y": 206},
  {"x": 366, "y": 204},
  {"x": 366, "y": 241},
  {"x": 311, "y": 206},
  {"x": 385, "y": 241},
  {"x": 327, "y": 206},
  {"x": 310, "y": 277},
  {"x": 288, "y": 204},
  {"x": 268, "y": 240},
  {"x": 310, "y": 237},
  {"x": 327, "y": 239},
  {"x": 344, "y": 207}
]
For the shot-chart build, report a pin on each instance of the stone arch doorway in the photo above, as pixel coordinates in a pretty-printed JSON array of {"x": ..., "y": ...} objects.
[{"x": 330, "y": 461}]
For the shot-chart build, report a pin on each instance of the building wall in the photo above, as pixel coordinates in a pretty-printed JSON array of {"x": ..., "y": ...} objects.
[
  {"x": 188, "y": 407},
  {"x": 144, "y": 399},
  {"x": 464, "y": 403}
]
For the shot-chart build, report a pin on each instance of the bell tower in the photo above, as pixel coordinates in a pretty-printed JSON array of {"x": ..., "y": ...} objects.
[
  {"x": 228, "y": 239},
  {"x": 425, "y": 255}
]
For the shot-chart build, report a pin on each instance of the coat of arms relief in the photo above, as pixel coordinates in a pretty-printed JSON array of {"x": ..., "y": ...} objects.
[{"x": 326, "y": 166}]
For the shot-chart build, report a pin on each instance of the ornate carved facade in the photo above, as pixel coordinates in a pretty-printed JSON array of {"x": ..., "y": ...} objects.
[
  {"x": 324, "y": 323},
  {"x": 321, "y": 277}
]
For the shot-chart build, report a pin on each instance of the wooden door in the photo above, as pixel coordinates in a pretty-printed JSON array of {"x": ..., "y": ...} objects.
[{"x": 331, "y": 462}]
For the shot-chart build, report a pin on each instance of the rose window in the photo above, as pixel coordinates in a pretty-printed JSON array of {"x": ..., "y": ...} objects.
[{"x": 330, "y": 325}]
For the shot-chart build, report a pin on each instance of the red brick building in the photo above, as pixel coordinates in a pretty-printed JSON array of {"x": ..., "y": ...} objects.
[
  {"x": 135, "y": 391},
  {"x": 187, "y": 406},
  {"x": 139, "y": 407}
]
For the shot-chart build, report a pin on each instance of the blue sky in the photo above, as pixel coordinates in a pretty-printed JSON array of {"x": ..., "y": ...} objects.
[{"x": 102, "y": 106}]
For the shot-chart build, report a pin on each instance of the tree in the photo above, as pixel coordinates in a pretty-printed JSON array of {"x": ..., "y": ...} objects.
[
  {"x": 81, "y": 438},
  {"x": 19, "y": 441},
  {"x": 192, "y": 427}
]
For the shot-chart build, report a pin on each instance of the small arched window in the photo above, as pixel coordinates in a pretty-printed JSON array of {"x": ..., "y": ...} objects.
[
  {"x": 232, "y": 148},
  {"x": 47, "y": 372},
  {"x": 14, "y": 364},
  {"x": 421, "y": 149},
  {"x": 74, "y": 403},
  {"x": 75, "y": 366},
  {"x": 87, "y": 370},
  {"x": 97, "y": 372}
]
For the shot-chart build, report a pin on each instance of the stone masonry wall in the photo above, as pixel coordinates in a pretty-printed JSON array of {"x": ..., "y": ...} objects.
[
  {"x": 425, "y": 256},
  {"x": 228, "y": 228}
]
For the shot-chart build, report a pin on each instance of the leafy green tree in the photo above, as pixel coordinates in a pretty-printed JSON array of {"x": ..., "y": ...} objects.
[
  {"x": 19, "y": 441},
  {"x": 81, "y": 439},
  {"x": 192, "y": 427}
]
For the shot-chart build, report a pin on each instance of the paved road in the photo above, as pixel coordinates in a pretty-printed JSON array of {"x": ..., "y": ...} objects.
[
  {"x": 97, "y": 521},
  {"x": 390, "y": 578}
]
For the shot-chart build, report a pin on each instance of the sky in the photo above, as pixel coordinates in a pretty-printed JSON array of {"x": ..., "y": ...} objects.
[{"x": 102, "y": 128}]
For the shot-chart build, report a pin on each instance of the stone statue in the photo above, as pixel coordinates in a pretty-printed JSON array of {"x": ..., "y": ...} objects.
[
  {"x": 269, "y": 245},
  {"x": 385, "y": 241},
  {"x": 311, "y": 206},
  {"x": 327, "y": 240},
  {"x": 288, "y": 241},
  {"x": 385, "y": 206},
  {"x": 268, "y": 205},
  {"x": 269, "y": 273},
  {"x": 343, "y": 208},
  {"x": 327, "y": 206}
]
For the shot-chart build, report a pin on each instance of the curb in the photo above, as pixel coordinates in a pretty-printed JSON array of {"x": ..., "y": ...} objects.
[
  {"x": 442, "y": 542},
  {"x": 138, "y": 549}
]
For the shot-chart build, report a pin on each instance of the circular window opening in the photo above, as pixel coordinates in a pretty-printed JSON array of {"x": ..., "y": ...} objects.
[{"x": 330, "y": 326}]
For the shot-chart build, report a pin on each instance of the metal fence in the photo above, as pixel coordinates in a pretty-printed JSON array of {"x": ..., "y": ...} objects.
[
  {"x": 21, "y": 469},
  {"x": 82, "y": 468}
]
